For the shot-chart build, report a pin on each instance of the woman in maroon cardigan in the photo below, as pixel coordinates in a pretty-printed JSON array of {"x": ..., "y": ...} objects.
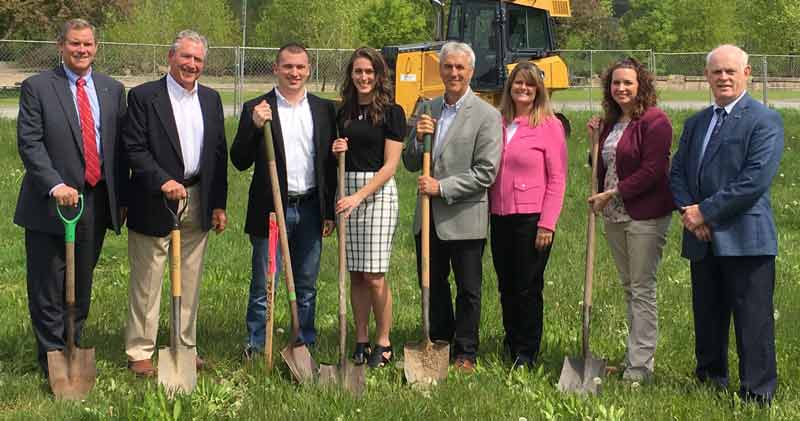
[{"x": 635, "y": 200}]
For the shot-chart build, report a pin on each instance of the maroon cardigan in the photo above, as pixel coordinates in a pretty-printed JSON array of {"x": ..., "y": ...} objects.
[{"x": 643, "y": 165}]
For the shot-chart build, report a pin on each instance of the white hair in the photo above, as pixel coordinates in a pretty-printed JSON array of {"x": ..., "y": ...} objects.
[
  {"x": 192, "y": 36},
  {"x": 743, "y": 57},
  {"x": 451, "y": 47}
]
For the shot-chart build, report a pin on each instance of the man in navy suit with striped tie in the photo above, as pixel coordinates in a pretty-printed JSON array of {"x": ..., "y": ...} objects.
[{"x": 720, "y": 179}]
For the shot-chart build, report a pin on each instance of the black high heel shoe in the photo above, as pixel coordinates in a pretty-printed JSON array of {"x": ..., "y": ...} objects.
[
  {"x": 378, "y": 357},
  {"x": 362, "y": 353}
]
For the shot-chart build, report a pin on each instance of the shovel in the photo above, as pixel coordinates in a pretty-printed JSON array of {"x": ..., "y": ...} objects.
[
  {"x": 425, "y": 361},
  {"x": 295, "y": 353},
  {"x": 347, "y": 374},
  {"x": 71, "y": 372},
  {"x": 579, "y": 373},
  {"x": 177, "y": 369},
  {"x": 273, "y": 243}
]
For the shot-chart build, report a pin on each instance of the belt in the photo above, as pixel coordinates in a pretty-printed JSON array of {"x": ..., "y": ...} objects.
[
  {"x": 296, "y": 199},
  {"x": 191, "y": 181}
]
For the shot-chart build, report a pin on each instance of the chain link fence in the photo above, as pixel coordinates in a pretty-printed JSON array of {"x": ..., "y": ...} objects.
[
  {"x": 680, "y": 81},
  {"x": 238, "y": 73},
  {"x": 241, "y": 73}
]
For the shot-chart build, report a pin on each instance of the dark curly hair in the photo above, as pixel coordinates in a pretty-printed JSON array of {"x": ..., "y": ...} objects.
[
  {"x": 381, "y": 95},
  {"x": 645, "y": 96}
]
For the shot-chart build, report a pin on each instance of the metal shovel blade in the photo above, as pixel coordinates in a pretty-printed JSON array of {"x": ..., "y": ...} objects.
[
  {"x": 351, "y": 377},
  {"x": 300, "y": 363},
  {"x": 71, "y": 375},
  {"x": 579, "y": 375},
  {"x": 177, "y": 369},
  {"x": 426, "y": 361}
]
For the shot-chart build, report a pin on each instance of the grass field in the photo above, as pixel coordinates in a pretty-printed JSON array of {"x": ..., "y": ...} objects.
[{"x": 232, "y": 390}]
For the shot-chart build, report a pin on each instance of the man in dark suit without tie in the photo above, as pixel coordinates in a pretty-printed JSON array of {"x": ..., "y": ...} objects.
[
  {"x": 175, "y": 139},
  {"x": 67, "y": 137},
  {"x": 720, "y": 179}
]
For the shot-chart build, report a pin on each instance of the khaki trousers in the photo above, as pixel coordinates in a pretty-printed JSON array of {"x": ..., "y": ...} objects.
[
  {"x": 148, "y": 257},
  {"x": 637, "y": 247}
]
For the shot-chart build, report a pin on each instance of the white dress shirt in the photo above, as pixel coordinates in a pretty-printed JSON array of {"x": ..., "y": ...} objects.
[
  {"x": 189, "y": 121},
  {"x": 297, "y": 129}
]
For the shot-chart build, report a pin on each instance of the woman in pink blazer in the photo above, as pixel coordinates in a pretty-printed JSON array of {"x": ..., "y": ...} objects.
[
  {"x": 525, "y": 203},
  {"x": 635, "y": 200}
]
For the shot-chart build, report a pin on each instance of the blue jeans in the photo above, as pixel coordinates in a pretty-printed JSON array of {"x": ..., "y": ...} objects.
[{"x": 304, "y": 230}]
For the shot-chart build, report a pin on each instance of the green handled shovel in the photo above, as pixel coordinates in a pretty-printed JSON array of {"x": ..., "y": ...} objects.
[
  {"x": 71, "y": 372},
  {"x": 295, "y": 353}
]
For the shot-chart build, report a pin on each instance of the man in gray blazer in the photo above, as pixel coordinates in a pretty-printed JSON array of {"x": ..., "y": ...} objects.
[
  {"x": 466, "y": 150},
  {"x": 720, "y": 179},
  {"x": 67, "y": 138}
]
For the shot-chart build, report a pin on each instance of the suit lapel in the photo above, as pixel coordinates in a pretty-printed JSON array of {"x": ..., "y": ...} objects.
[
  {"x": 277, "y": 130},
  {"x": 106, "y": 116},
  {"x": 462, "y": 116},
  {"x": 205, "y": 109},
  {"x": 316, "y": 113},
  {"x": 61, "y": 87},
  {"x": 699, "y": 135},
  {"x": 164, "y": 111}
]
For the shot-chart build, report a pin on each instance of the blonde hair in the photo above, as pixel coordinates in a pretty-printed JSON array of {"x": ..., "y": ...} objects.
[{"x": 541, "y": 103}]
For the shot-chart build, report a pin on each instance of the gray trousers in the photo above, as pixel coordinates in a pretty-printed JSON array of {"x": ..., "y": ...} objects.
[{"x": 637, "y": 247}]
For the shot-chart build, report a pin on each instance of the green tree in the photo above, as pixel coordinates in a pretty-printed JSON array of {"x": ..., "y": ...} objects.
[
  {"x": 592, "y": 26},
  {"x": 648, "y": 24},
  {"x": 772, "y": 25},
  {"x": 214, "y": 19},
  {"x": 386, "y": 22},
  {"x": 317, "y": 23},
  {"x": 42, "y": 19}
]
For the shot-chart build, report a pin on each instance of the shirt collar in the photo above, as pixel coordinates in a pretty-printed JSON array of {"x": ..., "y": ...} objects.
[
  {"x": 73, "y": 77},
  {"x": 457, "y": 106},
  {"x": 283, "y": 99},
  {"x": 177, "y": 90},
  {"x": 728, "y": 108}
]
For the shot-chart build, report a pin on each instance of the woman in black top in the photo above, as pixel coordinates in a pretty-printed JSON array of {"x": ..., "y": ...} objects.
[{"x": 371, "y": 130}]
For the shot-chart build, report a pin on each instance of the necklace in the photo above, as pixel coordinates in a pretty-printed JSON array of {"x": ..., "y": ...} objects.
[{"x": 362, "y": 112}]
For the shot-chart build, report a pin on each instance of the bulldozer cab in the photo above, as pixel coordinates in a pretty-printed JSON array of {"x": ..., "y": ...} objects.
[{"x": 500, "y": 33}]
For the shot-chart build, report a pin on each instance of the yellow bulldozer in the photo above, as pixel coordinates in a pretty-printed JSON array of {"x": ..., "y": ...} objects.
[{"x": 502, "y": 34}]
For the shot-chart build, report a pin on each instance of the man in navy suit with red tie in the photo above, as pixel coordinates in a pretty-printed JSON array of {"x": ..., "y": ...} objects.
[{"x": 67, "y": 137}]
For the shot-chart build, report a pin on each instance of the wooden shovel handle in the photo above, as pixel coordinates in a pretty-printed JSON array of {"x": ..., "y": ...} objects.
[
  {"x": 342, "y": 237},
  {"x": 277, "y": 201},
  {"x": 425, "y": 231},
  {"x": 175, "y": 261},
  {"x": 590, "y": 249}
]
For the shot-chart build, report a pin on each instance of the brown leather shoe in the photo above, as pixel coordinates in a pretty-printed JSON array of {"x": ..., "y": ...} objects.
[
  {"x": 464, "y": 365},
  {"x": 142, "y": 368},
  {"x": 199, "y": 363}
]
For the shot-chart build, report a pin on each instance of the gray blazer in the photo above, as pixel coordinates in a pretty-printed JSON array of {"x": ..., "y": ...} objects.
[{"x": 465, "y": 168}]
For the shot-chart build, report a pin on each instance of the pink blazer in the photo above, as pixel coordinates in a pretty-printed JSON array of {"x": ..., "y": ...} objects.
[{"x": 533, "y": 172}]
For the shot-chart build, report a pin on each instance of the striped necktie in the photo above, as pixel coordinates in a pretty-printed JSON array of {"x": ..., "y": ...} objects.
[{"x": 90, "y": 157}]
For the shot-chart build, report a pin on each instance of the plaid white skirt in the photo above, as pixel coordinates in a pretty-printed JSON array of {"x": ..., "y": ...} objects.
[{"x": 370, "y": 227}]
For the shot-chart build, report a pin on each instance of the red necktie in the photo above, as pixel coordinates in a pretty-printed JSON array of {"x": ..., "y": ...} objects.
[{"x": 92, "y": 172}]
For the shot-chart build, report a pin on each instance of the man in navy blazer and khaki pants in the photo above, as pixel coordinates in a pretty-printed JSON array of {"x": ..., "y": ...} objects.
[
  {"x": 67, "y": 138},
  {"x": 720, "y": 179},
  {"x": 175, "y": 138}
]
